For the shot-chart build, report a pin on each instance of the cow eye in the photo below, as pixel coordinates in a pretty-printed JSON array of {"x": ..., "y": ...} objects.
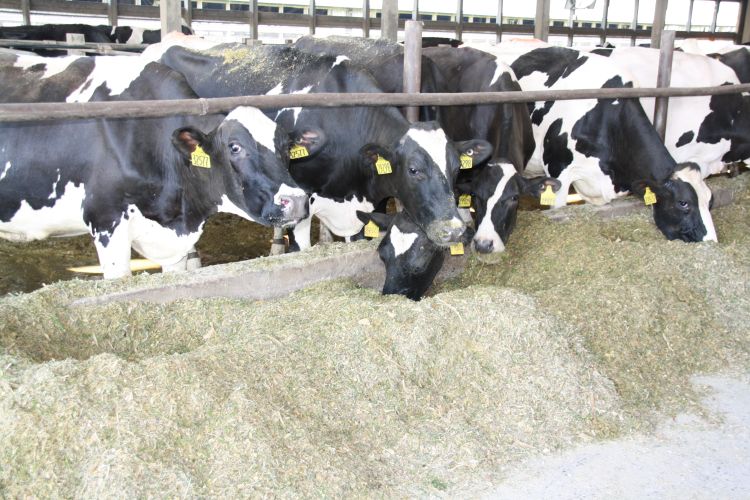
[
  {"x": 413, "y": 171},
  {"x": 683, "y": 204},
  {"x": 515, "y": 197},
  {"x": 235, "y": 148}
]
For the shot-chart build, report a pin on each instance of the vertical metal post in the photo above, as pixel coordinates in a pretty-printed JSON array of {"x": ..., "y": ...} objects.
[
  {"x": 389, "y": 20},
  {"x": 75, "y": 38},
  {"x": 660, "y": 15},
  {"x": 311, "y": 11},
  {"x": 415, "y": 11},
  {"x": 188, "y": 13},
  {"x": 253, "y": 19},
  {"x": 278, "y": 244},
  {"x": 716, "y": 15},
  {"x": 499, "y": 23},
  {"x": 366, "y": 18},
  {"x": 112, "y": 12},
  {"x": 26, "y": 12},
  {"x": 743, "y": 23},
  {"x": 571, "y": 22},
  {"x": 689, "y": 24},
  {"x": 663, "y": 79},
  {"x": 171, "y": 16},
  {"x": 412, "y": 64},
  {"x": 634, "y": 25},
  {"x": 605, "y": 15},
  {"x": 541, "y": 21},
  {"x": 460, "y": 20}
]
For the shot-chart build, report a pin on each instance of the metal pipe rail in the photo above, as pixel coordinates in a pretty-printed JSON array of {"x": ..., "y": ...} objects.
[
  {"x": 26, "y": 112},
  {"x": 105, "y": 48}
]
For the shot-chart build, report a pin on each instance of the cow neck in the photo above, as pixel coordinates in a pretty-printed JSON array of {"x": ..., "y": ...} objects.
[{"x": 651, "y": 160}]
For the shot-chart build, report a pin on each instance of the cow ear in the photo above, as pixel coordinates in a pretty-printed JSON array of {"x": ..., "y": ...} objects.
[
  {"x": 186, "y": 139},
  {"x": 638, "y": 188},
  {"x": 371, "y": 152},
  {"x": 383, "y": 221},
  {"x": 477, "y": 149},
  {"x": 312, "y": 139},
  {"x": 536, "y": 186}
]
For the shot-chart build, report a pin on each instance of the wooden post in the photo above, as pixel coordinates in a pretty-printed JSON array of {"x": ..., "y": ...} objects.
[
  {"x": 75, "y": 38},
  {"x": 26, "y": 12},
  {"x": 188, "y": 13},
  {"x": 112, "y": 12},
  {"x": 171, "y": 16},
  {"x": 460, "y": 20},
  {"x": 662, "y": 80},
  {"x": 389, "y": 20},
  {"x": 412, "y": 64},
  {"x": 253, "y": 19},
  {"x": 499, "y": 23},
  {"x": 366, "y": 18},
  {"x": 541, "y": 21},
  {"x": 660, "y": 15},
  {"x": 603, "y": 37},
  {"x": 634, "y": 26},
  {"x": 571, "y": 25},
  {"x": 311, "y": 11}
]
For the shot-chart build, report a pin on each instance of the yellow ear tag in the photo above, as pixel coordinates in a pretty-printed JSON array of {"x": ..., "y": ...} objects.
[
  {"x": 298, "y": 151},
  {"x": 199, "y": 158},
  {"x": 457, "y": 249},
  {"x": 466, "y": 162},
  {"x": 548, "y": 197},
  {"x": 649, "y": 198},
  {"x": 464, "y": 201},
  {"x": 372, "y": 230},
  {"x": 383, "y": 166}
]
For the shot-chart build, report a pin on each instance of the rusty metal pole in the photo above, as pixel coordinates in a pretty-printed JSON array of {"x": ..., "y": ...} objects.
[
  {"x": 663, "y": 79},
  {"x": 412, "y": 64}
]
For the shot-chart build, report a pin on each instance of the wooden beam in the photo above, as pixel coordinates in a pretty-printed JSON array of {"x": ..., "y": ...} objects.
[
  {"x": 112, "y": 13},
  {"x": 634, "y": 25},
  {"x": 26, "y": 12},
  {"x": 715, "y": 16},
  {"x": 499, "y": 22},
  {"x": 459, "y": 19},
  {"x": 253, "y": 19},
  {"x": 311, "y": 12},
  {"x": 689, "y": 23},
  {"x": 541, "y": 21},
  {"x": 663, "y": 79},
  {"x": 171, "y": 16},
  {"x": 389, "y": 20},
  {"x": 660, "y": 15},
  {"x": 188, "y": 13},
  {"x": 415, "y": 11},
  {"x": 605, "y": 15}
]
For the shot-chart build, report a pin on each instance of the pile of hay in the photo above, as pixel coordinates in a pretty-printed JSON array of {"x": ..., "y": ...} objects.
[{"x": 584, "y": 330}]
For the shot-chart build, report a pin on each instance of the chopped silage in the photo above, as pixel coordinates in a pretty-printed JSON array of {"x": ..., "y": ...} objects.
[{"x": 584, "y": 330}]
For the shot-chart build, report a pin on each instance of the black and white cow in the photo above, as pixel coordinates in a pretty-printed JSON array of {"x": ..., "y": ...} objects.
[
  {"x": 56, "y": 32},
  {"x": 132, "y": 35},
  {"x": 605, "y": 148},
  {"x": 711, "y": 131},
  {"x": 342, "y": 145},
  {"x": 149, "y": 184}
]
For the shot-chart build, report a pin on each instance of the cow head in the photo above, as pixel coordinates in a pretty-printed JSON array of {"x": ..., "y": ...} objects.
[
  {"x": 411, "y": 260},
  {"x": 682, "y": 205},
  {"x": 496, "y": 189},
  {"x": 248, "y": 173},
  {"x": 424, "y": 166}
]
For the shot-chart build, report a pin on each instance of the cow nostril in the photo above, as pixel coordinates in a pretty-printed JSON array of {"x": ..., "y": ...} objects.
[
  {"x": 284, "y": 202},
  {"x": 484, "y": 246}
]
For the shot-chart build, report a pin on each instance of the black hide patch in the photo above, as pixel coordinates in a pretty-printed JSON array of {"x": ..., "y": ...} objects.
[
  {"x": 556, "y": 155},
  {"x": 685, "y": 138},
  {"x": 556, "y": 62},
  {"x": 538, "y": 115}
]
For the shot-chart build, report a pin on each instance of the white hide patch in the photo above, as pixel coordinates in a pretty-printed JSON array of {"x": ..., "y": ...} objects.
[
  {"x": 401, "y": 241},
  {"x": 486, "y": 229},
  {"x": 276, "y": 90},
  {"x": 136, "y": 37},
  {"x": 501, "y": 68},
  {"x": 117, "y": 73},
  {"x": 435, "y": 143},
  {"x": 54, "y": 186},
  {"x": 340, "y": 217},
  {"x": 296, "y": 110},
  {"x": 261, "y": 127},
  {"x": 339, "y": 60},
  {"x": 227, "y": 206},
  {"x": 694, "y": 178},
  {"x": 286, "y": 190},
  {"x": 64, "y": 218},
  {"x": 52, "y": 65},
  {"x": 5, "y": 170},
  {"x": 156, "y": 242}
]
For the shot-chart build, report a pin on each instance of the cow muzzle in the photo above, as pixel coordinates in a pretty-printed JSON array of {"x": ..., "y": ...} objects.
[
  {"x": 446, "y": 232},
  {"x": 294, "y": 208}
]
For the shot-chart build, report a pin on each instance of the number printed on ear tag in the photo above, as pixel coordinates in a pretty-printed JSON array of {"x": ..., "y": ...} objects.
[
  {"x": 298, "y": 151},
  {"x": 372, "y": 230},
  {"x": 199, "y": 158},
  {"x": 466, "y": 162},
  {"x": 548, "y": 197},
  {"x": 383, "y": 166},
  {"x": 464, "y": 201},
  {"x": 649, "y": 198},
  {"x": 457, "y": 249}
]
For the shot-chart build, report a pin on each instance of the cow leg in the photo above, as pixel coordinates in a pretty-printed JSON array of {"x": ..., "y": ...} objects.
[
  {"x": 113, "y": 250},
  {"x": 324, "y": 235},
  {"x": 301, "y": 233}
]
